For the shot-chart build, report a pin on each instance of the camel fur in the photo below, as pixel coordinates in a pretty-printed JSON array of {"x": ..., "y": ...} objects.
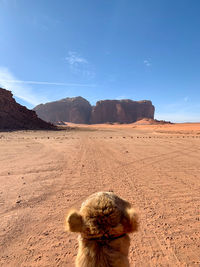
[{"x": 103, "y": 224}]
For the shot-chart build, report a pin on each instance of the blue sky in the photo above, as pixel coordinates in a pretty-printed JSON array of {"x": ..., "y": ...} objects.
[{"x": 103, "y": 49}]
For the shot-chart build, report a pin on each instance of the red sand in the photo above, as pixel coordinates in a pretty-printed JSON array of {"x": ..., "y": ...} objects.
[{"x": 155, "y": 167}]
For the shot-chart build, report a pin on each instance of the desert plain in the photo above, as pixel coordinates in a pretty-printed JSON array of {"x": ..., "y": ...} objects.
[{"x": 45, "y": 173}]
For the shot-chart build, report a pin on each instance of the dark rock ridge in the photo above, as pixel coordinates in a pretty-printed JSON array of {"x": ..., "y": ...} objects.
[
  {"x": 122, "y": 111},
  {"x": 79, "y": 110},
  {"x": 75, "y": 109},
  {"x": 14, "y": 116}
]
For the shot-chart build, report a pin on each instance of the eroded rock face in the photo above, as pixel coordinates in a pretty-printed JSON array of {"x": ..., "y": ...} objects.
[
  {"x": 122, "y": 111},
  {"x": 79, "y": 110},
  {"x": 15, "y": 116},
  {"x": 76, "y": 110}
]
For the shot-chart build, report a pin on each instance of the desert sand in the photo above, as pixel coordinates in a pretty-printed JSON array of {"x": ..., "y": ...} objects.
[{"x": 45, "y": 173}]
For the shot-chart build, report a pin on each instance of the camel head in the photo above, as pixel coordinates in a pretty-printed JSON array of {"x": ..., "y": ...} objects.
[{"x": 103, "y": 215}]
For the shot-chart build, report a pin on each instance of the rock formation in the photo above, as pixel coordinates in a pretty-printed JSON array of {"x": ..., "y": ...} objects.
[
  {"x": 122, "y": 111},
  {"x": 76, "y": 110},
  {"x": 14, "y": 116},
  {"x": 79, "y": 110},
  {"x": 147, "y": 121}
]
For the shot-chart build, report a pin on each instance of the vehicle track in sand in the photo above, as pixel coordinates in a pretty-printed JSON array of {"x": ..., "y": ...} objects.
[{"x": 158, "y": 174}]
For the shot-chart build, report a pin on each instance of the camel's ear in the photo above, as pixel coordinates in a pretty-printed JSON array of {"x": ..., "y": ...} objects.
[
  {"x": 133, "y": 217},
  {"x": 74, "y": 221}
]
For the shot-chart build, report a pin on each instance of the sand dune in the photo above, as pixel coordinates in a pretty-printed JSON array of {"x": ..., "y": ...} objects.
[{"x": 44, "y": 173}]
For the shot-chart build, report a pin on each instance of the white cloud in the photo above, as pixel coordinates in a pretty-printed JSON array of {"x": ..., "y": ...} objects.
[
  {"x": 79, "y": 65},
  {"x": 22, "y": 90},
  {"x": 43, "y": 22},
  {"x": 47, "y": 83},
  {"x": 75, "y": 59},
  {"x": 147, "y": 63},
  {"x": 7, "y": 81}
]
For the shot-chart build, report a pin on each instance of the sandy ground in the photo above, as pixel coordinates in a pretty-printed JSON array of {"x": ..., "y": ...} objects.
[{"x": 43, "y": 174}]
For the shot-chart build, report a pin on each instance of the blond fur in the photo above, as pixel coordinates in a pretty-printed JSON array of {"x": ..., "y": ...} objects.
[{"x": 103, "y": 222}]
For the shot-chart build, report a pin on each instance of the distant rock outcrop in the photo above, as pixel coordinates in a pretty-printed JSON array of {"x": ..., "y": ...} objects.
[
  {"x": 76, "y": 110},
  {"x": 122, "y": 111},
  {"x": 14, "y": 116},
  {"x": 147, "y": 121},
  {"x": 79, "y": 110}
]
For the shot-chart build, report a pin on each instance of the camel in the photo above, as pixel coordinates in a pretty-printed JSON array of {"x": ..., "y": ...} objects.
[{"x": 103, "y": 223}]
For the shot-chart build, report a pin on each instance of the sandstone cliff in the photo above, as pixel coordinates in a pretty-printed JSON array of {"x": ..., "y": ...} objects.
[
  {"x": 79, "y": 110},
  {"x": 122, "y": 111},
  {"x": 76, "y": 110},
  {"x": 15, "y": 116}
]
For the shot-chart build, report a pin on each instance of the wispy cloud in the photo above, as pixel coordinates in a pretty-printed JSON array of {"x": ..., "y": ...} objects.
[
  {"x": 75, "y": 59},
  {"x": 147, "y": 63},
  {"x": 22, "y": 89},
  {"x": 47, "y": 83},
  {"x": 79, "y": 65},
  {"x": 44, "y": 22},
  {"x": 7, "y": 81}
]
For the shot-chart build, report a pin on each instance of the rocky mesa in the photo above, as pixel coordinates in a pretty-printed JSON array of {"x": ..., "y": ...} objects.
[
  {"x": 122, "y": 111},
  {"x": 14, "y": 116},
  {"x": 75, "y": 109},
  {"x": 79, "y": 110}
]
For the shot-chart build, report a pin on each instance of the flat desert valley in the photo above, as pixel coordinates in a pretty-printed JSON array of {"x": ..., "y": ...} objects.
[{"x": 45, "y": 173}]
